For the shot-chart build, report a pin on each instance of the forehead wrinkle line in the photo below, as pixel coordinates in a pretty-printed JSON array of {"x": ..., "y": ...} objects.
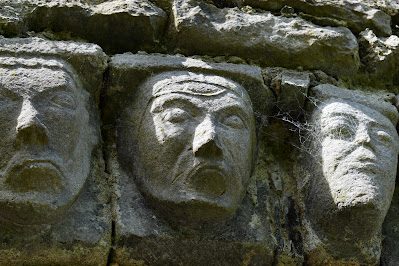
[
  {"x": 325, "y": 117},
  {"x": 237, "y": 102},
  {"x": 36, "y": 91},
  {"x": 169, "y": 99},
  {"x": 67, "y": 80},
  {"x": 361, "y": 110},
  {"x": 170, "y": 85}
]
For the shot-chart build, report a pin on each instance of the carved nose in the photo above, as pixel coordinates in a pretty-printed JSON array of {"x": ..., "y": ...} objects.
[
  {"x": 205, "y": 142},
  {"x": 29, "y": 128},
  {"x": 363, "y": 137}
]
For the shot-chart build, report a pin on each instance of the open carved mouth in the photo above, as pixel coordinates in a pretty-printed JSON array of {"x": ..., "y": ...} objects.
[
  {"x": 35, "y": 175},
  {"x": 208, "y": 180}
]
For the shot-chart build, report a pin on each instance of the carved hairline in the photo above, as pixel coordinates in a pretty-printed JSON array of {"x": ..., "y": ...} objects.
[
  {"x": 155, "y": 86},
  {"x": 38, "y": 62},
  {"x": 326, "y": 93},
  {"x": 49, "y": 62}
]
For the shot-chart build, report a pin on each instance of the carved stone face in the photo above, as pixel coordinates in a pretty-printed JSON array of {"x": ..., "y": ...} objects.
[
  {"x": 358, "y": 152},
  {"x": 196, "y": 145},
  {"x": 44, "y": 159}
]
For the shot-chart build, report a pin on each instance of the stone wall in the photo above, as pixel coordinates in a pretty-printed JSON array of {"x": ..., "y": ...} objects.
[{"x": 185, "y": 132}]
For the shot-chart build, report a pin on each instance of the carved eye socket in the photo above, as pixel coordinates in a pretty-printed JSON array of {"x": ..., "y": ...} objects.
[
  {"x": 175, "y": 115},
  {"x": 63, "y": 100},
  {"x": 7, "y": 96},
  {"x": 233, "y": 121},
  {"x": 341, "y": 131},
  {"x": 383, "y": 136}
]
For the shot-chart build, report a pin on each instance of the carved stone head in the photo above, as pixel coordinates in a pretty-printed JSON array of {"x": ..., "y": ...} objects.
[
  {"x": 46, "y": 140},
  {"x": 354, "y": 158},
  {"x": 195, "y": 144}
]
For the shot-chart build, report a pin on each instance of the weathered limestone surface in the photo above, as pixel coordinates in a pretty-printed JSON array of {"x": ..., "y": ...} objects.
[
  {"x": 354, "y": 14},
  {"x": 217, "y": 132},
  {"x": 291, "y": 89},
  {"x": 115, "y": 25},
  {"x": 200, "y": 28},
  {"x": 380, "y": 55}
]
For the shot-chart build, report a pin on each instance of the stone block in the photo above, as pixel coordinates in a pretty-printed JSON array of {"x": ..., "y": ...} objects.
[
  {"x": 292, "y": 93},
  {"x": 356, "y": 15},
  {"x": 185, "y": 206},
  {"x": 117, "y": 26},
  {"x": 200, "y": 28},
  {"x": 380, "y": 55}
]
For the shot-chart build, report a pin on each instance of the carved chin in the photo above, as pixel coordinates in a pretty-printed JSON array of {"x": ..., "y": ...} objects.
[
  {"x": 34, "y": 211},
  {"x": 206, "y": 195},
  {"x": 34, "y": 192}
]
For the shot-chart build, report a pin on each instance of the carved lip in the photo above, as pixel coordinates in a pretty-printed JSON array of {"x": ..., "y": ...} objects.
[
  {"x": 35, "y": 175},
  {"x": 208, "y": 166},
  {"x": 32, "y": 164},
  {"x": 364, "y": 166},
  {"x": 208, "y": 179}
]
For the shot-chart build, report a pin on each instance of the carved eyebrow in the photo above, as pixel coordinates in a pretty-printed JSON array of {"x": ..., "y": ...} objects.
[
  {"x": 338, "y": 115},
  {"x": 236, "y": 109},
  {"x": 173, "y": 102},
  {"x": 387, "y": 128},
  {"x": 61, "y": 87},
  {"x": 373, "y": 123},
  {"x": 341, "y": 114},
  {"x": 7, "y": 91}
]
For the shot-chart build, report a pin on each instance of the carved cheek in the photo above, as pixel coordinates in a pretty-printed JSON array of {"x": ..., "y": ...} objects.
[
  {"x": 9, "y": 112},
  {"x": 168, "y": 133},
  {"x": 64, "y": 128},
  {"x": 333, "y": 152},
  {"x": 238, "y": 145}
]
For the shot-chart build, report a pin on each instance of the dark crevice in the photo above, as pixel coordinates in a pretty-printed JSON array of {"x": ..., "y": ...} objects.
[
  {"x": 293, "y": 227},
  {"x": 101, "y": 107},
  {"x": 226, "y": 3},
  {"x": 111, "y": 254},
  {"x": 162, "y": 46}
]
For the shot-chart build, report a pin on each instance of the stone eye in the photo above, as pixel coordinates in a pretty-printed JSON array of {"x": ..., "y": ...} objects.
[
  {"x": 6, "y": 96},
  {"x": 63, "y": 100},
  {"x": 343, "y": 132},
  {"x": 383, "y": 136},
  {"x": 175, "y": 115},
  {"x": 233, "y": 121}
]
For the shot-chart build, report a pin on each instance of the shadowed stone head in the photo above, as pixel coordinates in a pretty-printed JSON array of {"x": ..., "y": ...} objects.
[
  {"x": 46, "y": 140},
  {"x": 354, "y": 159},
  {"x": 195, "y": 143}
]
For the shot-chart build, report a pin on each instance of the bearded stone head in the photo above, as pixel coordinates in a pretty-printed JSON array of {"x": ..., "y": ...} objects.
[{"x": 354, "y": 159}]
